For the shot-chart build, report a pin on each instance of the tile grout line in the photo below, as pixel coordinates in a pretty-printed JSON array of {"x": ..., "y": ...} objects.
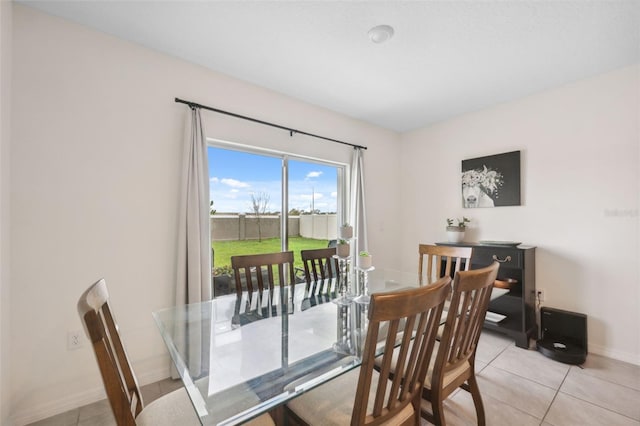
[
  {"x": 599, "y": 406},
  {"x": 497, "y": 355},
  {"x": 596, "y": 404},
  {"x": 528, "y": 378},
  {"x": 518, "y": 408},
  {"x": 524, "y": 378},
  {"x": 585, "y": 371},
  {"x": 557, "y": 391}
]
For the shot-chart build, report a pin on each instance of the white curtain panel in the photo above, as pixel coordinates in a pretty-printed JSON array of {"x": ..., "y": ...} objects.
[
  {"x": 193, "y": 281},
  {"x": 194, "y": 244},
  {"x": 358, "y": 213}
]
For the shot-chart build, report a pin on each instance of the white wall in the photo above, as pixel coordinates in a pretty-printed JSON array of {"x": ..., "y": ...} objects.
[
  {"x": 580, "y": 189},
  {"x": 95, "y": 164},
  {"x": 5, "y": 134}
]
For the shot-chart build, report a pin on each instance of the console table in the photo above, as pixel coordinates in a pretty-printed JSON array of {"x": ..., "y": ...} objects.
[{"x": 518, "y": 305}]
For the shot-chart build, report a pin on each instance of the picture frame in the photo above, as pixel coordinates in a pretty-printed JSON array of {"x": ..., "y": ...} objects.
[{"x": 491, "y": 181}]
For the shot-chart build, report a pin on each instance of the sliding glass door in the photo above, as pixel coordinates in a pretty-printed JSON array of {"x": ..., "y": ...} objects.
[
  {"x": 265, "y": 201},
  {"x": 313, "y": 198}
]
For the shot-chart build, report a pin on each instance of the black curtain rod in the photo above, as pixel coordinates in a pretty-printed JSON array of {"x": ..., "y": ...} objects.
[{"x": 266, "y": 123}]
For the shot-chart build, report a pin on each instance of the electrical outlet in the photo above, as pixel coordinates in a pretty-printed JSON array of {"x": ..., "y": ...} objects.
[
  {"x": 74, "y": 340},
  {"x": 540, "y": 295}
]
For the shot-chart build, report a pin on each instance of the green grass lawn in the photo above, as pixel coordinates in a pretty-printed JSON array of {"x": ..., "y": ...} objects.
[{"x": 223, "y": 250}]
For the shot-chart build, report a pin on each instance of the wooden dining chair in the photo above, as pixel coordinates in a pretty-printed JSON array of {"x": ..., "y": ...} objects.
[
  {"x": 320, "y": 275},
  {"x": 456, "y": 258},
  {"x": 319, "y": 265},
  {"x": 256, "y": 271},
  {"x": 379, "y": 399},
  {"x": 118, "y": 377},
  {"x": 454, "y": 364}
]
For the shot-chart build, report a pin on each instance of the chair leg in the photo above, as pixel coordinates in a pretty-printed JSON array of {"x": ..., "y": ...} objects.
[
  {"x": 477, "y": 400},
  {"x": 437, "y": 407},
  {"x": 278, "y": 415},
  {"x": 290, "y": 418},
  {"x": 416, "y": 409},
  {"x": 438, "y": 412}
]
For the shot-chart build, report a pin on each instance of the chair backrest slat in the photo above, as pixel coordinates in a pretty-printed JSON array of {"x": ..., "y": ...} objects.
[
  {"x": 257, "y": 271},
  {"x": 416, "y": 310},
  {"x": 320, "y": 269},
  {"x": 467, "y": 311},
  {"x": 319, "y": 263},
  {"x": 455, "y": 259},
  {"x": 119, "y": 379}
]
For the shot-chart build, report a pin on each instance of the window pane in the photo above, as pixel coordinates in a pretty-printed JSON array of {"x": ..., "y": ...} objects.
[
  {"x": 246, "y": 194},
  {"x": 235, "y": 175},
  {"x": 313, "y": 203}
]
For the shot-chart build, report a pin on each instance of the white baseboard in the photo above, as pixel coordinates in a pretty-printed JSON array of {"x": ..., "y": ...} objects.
[
  {"x": 619, "y": 355},
  {"x": 80, "y": 399},
  {"x": 58, "y": 406}
]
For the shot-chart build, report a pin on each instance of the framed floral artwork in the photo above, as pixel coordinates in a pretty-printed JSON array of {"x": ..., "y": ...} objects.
[{"x": 491, "y": 181}]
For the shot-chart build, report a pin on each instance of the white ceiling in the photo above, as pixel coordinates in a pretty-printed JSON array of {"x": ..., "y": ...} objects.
[{"x": 446, "y": 58}]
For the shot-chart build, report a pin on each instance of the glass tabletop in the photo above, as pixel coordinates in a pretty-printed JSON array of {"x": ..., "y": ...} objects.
[{"x": 241, "y": 357}]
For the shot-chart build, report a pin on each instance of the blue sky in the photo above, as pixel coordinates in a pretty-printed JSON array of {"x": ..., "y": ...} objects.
[{"x": 235, "y": 175}]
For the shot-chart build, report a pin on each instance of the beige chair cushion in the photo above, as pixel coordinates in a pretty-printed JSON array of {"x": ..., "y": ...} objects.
[
  {"x": 332, "y": 402},
  {"x": 448, "y": 378},
  {"x": 175, "y": 408}
]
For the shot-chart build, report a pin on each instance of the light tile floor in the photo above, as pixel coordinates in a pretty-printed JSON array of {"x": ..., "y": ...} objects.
[{"x": 518, "y": 386}]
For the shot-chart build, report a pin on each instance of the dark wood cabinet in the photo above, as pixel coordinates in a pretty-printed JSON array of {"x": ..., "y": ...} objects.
[{"x": 518, "y": 305}]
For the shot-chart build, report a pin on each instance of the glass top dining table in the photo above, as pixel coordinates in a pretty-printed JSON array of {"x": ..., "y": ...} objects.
[{"x": 241, "y": 357}]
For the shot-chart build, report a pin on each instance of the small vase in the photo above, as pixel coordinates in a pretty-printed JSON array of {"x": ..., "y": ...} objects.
[
  {"x": 455, "y": 234},
  {"x": 346, "y": 232},
  {"x": 343, "y": 250},
  {"x": 364, "y": 262}
]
